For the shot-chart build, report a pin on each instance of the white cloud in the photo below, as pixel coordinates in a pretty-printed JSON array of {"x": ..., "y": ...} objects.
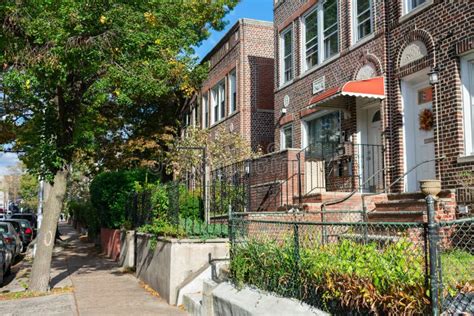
[{"x": 7, "y": 160}]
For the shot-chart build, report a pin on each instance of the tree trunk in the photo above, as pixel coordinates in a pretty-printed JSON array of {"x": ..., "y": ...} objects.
[{"x": 40, "y": 273}]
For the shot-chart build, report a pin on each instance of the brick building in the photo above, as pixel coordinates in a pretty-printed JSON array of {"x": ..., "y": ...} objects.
[
  {"x": 238, "y": 93},
  {"x": 353, "y": 91}
]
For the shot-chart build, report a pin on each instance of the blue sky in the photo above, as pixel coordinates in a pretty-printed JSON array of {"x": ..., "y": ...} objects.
[{"x": 252, "y": 9}]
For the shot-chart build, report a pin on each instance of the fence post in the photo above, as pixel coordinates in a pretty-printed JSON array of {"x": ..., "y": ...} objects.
[
  {"x": 248, "y": 173},
  {"x": 433, "y": 236},
  {"x": 296, "y": 253},
  {"x": 230, "y": 229},
  {"x": 300, "y": 198}
]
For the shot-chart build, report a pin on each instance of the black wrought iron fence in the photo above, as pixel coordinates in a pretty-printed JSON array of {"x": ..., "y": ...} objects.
[{"x": 355, "y": 266}]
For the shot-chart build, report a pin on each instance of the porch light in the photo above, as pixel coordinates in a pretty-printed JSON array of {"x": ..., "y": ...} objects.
[{"x": 434, "y": 75}]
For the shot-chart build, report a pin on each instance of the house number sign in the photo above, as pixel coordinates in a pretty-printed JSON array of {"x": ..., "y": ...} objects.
[{"x": 319, "y": 85}]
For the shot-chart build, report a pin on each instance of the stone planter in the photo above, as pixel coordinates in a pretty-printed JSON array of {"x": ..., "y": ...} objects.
[{"x": 430, "y": 187}]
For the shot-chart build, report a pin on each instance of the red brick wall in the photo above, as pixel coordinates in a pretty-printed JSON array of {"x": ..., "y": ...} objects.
[
  {"x": 431, "y": 26},
  {"x": 392, "y": 34},
  {"x": 247, "y": 48},
  {"x": 110, "y": 242}
]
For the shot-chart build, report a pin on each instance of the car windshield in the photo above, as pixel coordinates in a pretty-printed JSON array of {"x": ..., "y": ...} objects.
[{"x": 3, "y": 228}]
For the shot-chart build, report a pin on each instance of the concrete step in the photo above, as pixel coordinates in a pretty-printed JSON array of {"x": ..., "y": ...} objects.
[{"x": 192, "y": 303}]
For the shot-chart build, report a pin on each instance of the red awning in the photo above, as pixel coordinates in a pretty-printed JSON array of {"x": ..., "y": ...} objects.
[{"x": 369, "y": 88}]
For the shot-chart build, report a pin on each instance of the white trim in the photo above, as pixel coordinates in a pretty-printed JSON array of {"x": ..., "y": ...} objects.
[
  {"x": 406, "y": 13},
  {"x": 467, "y": 87},
  {"x": 319, "y": 9},
  {"x": 304, "y": 124},
  {"x": 283, "y": 144},
  {"x": 282, "y": 57},
  {"x": 355, "y": 26},
  {"x": 363, "y": 95}
]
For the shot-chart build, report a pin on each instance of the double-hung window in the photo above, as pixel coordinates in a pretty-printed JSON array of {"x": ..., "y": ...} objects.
[
  {"x": 331, "y": 29},
  {"x": 363, "y": 18},
  {"x": 233, "y": 92},
  {"x": 205, "y": 110},
  {"x": 467, "y": 79},
  {"x": 286, "y": 50},
  {"x": 311, "y": 39},
  {"x": 410, "y": 5},
  {"x": 320, "y": 33},
  {"x": 218, "y": 102},
  {"x": 287, "y": 136},
  {"x": 215, "y": 104},
  {"x": 222, "y": 99}
]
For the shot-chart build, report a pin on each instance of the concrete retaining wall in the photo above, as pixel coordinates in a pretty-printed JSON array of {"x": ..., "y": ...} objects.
[{"x": 171, "y": 264}]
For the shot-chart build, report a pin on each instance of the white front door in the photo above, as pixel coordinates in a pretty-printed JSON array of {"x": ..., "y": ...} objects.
[
  {"x": 370, "y": 148},
  {"x": 419, "y": 135}
]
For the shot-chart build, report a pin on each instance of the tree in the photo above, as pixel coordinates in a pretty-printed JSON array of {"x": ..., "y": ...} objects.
[
  {"x": 81, "y": 74},
  {"x": 222, "y": 147},
  {"x": 29, "y": 187}
]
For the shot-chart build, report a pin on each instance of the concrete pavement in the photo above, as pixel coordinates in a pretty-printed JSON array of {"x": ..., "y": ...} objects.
[{"x": 100, "y": 288}]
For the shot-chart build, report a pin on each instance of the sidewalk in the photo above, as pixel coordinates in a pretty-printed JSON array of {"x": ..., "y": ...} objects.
[{"x": 100, "y": 288}]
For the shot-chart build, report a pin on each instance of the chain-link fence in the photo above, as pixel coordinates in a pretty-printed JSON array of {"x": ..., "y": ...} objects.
[{"x": 356, "y": 267}]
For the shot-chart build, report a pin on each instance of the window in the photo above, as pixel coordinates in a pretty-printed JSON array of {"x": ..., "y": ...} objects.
[
  {"x": 320, "y": 34},
  {"x": 205, "y": 110},
  {"x": 412, "y": 4},
  {"x": 233, "y": 92},
  {"x": 222, "y": 100},
  {"x": 362, "y": 19},
  {"x": 287, "y": 137},
  {"x": 467, "y": 78},
  {"x": 215, "y": 104},
  {"x": 287, "y": 55},
  {"x": 218, "y": 102},
  {"x": 311, "y": 39}
]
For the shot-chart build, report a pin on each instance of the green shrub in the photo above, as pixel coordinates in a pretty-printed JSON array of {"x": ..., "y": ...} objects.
[
  {"x": 110, "y": 192},
  {"x": 358, "y": 277},
  {"x": 86, "y": 214}
]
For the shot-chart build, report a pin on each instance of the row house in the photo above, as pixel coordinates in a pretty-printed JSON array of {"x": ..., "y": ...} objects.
[
  {"x": 375, "y": 95},
  {"x": 238, "y": 92}
]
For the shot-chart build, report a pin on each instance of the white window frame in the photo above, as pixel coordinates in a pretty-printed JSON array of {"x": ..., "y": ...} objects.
[
  {"x": 232, "y": 91},
  {"x": 283, "y": 144},
  {"x": 282, "y": 58},
  {"x": 355, "y": 22},
  {"x": 407, "y": 6},
  {"x": 319, "y": 8},
  {"x": 467, "y": 80},
  {"x": 205, "y": 110},
  {"x": 214, "y": 104},
  {"x": 222, "y": 99}
]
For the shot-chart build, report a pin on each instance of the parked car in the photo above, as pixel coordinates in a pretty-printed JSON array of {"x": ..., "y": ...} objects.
[
  {"x": 23, "y": 227},
  {"x": 28, "y": 216},
  {"x": 11, "y": 237},
  {"x": 5, "y": 259}
]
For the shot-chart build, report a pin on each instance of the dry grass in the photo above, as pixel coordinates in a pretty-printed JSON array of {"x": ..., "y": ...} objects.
[
  {"x": 149, "y": 289},
  {"x": 29, "y": 294}
]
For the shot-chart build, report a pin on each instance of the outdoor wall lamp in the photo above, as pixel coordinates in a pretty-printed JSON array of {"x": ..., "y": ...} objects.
[{"x": 434, "y": 75}]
